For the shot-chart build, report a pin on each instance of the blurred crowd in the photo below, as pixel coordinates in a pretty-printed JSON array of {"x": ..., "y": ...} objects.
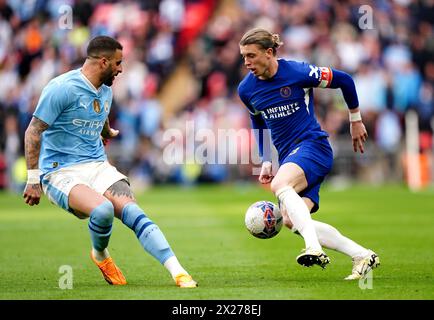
[{"x": 387, "y": 46}]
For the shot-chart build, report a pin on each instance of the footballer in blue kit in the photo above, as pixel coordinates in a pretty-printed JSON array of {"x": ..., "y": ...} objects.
[
  {"x": 65, "y": 154},
  {"x": 284, "y": 106},
  {"x": 278, "y": 94}
]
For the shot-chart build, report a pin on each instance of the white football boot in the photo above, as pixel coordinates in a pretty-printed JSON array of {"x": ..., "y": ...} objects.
[{"x": 362, "y": 265}]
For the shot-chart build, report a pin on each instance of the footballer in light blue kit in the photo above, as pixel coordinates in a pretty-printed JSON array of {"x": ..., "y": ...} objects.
[
  {"x": 76, "y": 113},
  {"x": 278, "y": 94},
  {"x": 64, "y": 151}
]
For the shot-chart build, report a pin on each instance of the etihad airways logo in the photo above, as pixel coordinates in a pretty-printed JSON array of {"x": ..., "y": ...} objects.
[
  {"x": 90, "y": 124},
  {"x": 88, "y": 127}
]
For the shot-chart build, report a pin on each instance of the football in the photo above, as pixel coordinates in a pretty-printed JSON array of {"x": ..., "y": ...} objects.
[{"x": 263, "y": 219}]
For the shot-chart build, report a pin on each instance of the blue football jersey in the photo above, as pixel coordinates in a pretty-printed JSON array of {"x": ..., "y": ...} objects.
[
  {"x": 75, "y": 112},
  {"x": 285, "y": 101}
]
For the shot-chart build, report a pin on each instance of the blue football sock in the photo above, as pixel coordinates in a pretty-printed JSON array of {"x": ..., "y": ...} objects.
[
  {"x": 150, "y": 236},
  {"x": 100, "y": 225}
]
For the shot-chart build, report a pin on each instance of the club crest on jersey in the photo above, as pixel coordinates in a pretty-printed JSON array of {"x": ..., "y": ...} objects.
[
  {"x": 285, "y": 92},
  {"x": 96, "y": 106},
  {"x": 106, "y": 106}
]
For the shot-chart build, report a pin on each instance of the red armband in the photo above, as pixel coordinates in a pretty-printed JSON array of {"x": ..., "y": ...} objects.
[{"x": 326, "y": 77}]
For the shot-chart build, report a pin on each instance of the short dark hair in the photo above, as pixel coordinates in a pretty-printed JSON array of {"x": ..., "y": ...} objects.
[{"x": 102, "y": 45}]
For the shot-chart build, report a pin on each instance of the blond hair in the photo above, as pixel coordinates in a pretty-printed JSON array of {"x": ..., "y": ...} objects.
[{"x": 263, "y": 38}]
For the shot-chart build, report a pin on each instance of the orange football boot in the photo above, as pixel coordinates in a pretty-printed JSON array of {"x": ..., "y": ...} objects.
[
  {"x": 185, "y": 281},
  {"x": 112, "y": 274}
]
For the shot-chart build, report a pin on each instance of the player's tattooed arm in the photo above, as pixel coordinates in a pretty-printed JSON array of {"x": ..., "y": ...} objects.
[
  {"x": 106, "y": 129},
  {"x": 32, "y": 142},
  {"x": 108, "y": 132},
  {"x": 32, "y": 147}
]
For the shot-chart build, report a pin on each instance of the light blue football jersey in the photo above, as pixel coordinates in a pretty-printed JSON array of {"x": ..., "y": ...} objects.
[{"x": 75, "y": 112}]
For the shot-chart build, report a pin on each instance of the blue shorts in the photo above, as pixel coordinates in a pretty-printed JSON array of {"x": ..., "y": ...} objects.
[{"x": 315, "y": 157}]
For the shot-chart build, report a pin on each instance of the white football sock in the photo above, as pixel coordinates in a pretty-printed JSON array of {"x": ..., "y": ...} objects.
[
  {"x": 172, "y": 264},
  {"x": 331, "y": 238},
  {"x": 299, "y": 214},
  {"x": 100, "y": 255}
]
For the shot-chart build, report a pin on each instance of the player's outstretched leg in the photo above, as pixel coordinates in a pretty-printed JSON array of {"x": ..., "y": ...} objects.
[
  {"x": 364, "y": 259},
  {"x": 153, "y": 241},
  {"x": 299, "y": 214},
  {"x": 100, "y": 228}
]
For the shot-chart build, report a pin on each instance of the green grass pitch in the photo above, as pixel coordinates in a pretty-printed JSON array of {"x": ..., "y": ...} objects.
[{"x": 205, "y": 227}]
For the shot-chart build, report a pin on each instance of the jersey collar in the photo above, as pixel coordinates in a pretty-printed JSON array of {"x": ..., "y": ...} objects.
[{"x": 87, "y": 81}]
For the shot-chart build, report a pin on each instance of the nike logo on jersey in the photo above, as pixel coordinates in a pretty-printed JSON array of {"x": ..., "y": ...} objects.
[
  {"x": 83, "y": 105},
  {"x": 294, "y": 151}
]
